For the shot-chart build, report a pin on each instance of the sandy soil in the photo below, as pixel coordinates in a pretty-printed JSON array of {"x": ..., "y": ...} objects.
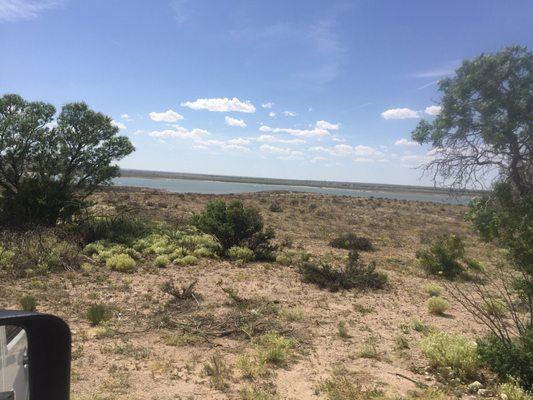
[{"x": 134, "y": 359}]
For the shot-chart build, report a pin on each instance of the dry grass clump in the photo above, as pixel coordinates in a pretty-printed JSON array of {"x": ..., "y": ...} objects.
[{"x": 437, "y": 305}]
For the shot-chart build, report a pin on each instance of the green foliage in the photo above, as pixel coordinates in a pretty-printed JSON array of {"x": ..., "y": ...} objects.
[
  {"x": 48, "y": 172},
  {"x": 454, "y": 351},
  {"x": 28, "y": 303},
  {"x": 353, "y": 275},
  {"x": 443, "y": 257},
  {"x": 513, "y": 391},
  {"x": 218, "y": 372},
  {"x": 485, "y": 121},
  {"x": 187, "y": 260},
  {"x": 241, "y": 253},
  {"x": 97, "y": 313},
  {"x": 162, "y": 261},
  {"x": 121, "y": 263},
  {"x": 235, "y": 224},
  {"x": 351, "y": 241},
  {"x": 514, "y": 358},
  {"x": 437, "y": 305},
  {"x": 274, "y": 349},
  {"x": 119, "y": 229},
  {"x": 432, "y": 289}
]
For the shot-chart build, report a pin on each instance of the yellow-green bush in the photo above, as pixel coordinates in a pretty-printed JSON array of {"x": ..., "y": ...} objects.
[
  {"x": 437, "y": 305},
  {"x": 495, "y": 307},
  {"x": 454, "y": 351},
  {"x": 241, "y": 253},
  {"x": 187, "y": 260},
  {"x": 432, "y": 289},
  {"x": 513, "y": 391},
  {"x": 274, "y": 349},
  {"x": 162, "y": 261},
  {"x": 121, "y": 263}
]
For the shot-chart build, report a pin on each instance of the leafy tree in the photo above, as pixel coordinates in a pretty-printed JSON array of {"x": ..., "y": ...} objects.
[
  {"x": 485, "y": 123},
  {"x": 47, "y": 171},
  {"x": 485, "y": 126}
]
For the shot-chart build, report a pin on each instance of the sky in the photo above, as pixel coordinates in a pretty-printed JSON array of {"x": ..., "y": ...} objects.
[{"x": 302, "y": 89}]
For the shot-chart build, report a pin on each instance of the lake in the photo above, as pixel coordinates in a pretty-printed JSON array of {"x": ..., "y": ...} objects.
[{"x": 217, "y": 187}]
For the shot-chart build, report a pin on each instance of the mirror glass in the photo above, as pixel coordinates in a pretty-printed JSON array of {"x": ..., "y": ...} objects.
[{"x": 13, "y": 363}]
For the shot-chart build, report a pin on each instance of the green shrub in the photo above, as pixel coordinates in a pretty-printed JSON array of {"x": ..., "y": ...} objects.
[
  {"x": 162, "y": 261},
  {"x": 274, "y": 349},
  {"x": 513, "y": 391},
  {"x": 97, "y": 313},
  {"x": 454, "y": 351},
  {"x": 241, "y": 253},
  {"x": 350, "y": 241},
  {"x": 204, "y": 252},
  {"x": 513, "y": 358},
  {"x": 437, "y": 305},
  {"x": 86, "y": 268},
  {"x": 353, "y": 275},
  {"x": 121, "y": 263},
  {"x": 495, "y": 307},
  {"x": 118, "y": 229},
  {"x": 187, "y": 260},
  {"x": 275, "y": 207},
  {"x": 432, "y": 289},
  {"x": 443, "y": 257},
  {"x": 234, "y": 224},
  {"x": 28, "y": 303}
]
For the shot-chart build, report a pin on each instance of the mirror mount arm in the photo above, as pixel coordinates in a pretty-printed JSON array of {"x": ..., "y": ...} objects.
[{"x": 49, "y": 353}]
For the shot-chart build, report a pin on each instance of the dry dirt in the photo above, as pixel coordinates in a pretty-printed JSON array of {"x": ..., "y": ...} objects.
[{"x": 133, "y": 359}]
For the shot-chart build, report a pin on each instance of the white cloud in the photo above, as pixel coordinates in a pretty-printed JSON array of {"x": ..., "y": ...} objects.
[
  {"x": 416, "y": 160},
  {"x": 276, "y": 139},
  {"x": 272, "y": 114},
  {"x": 289, "y": 114},
  {"x": 282, "y": 152},
  {"x": 235, "y": 122},
  {"x": 119, "y": 125},
  {"x": 125, "y": 117},
  {"x": 267, "y": 105},
  {"x": 220, "y": 105},
  {"x": 359, "y": 152},
  {"x": 327, "y": 125},
  {"x": 433, "y": 110},
  {"x": 179, "y": 132},
  {"x": 399, "y": 113},
  {"x": 166, "y": 116},
  {"x": 405, "y": 142},
  {"x": 230, "y": 145},
  {"x": 18, "y": 10},
  {"x": 181, "y": 10},
  {"x": 316, "y": 132},
  {"x": 239, "y": 141}
]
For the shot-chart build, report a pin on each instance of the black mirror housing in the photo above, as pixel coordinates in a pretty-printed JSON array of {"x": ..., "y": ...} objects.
[{"x": 49, "y": 352}]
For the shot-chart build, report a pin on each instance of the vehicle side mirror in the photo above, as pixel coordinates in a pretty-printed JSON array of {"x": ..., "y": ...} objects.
[{"x": 34, "y": 356}]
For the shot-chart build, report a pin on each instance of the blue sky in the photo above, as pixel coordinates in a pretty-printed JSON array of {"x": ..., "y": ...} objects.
[{"x": 289, "y": 89}]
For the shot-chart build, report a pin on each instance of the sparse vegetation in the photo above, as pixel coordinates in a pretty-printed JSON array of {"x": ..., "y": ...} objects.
[
  {"x": 454, "y": 351},
  {"x": 444, "y": 257},
  {"x": 432, "y": 289},
  {"x": 28, "y": 303},
  {"x": 350, "y": 241},
  {"x": 437, "y": 305},
  {"x": 97, "y": 313},
  {"x": 121, "y": 263},
  {"x": 243, "y": 254}
]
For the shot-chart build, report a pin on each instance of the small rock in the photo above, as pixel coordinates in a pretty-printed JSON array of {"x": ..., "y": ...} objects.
[
  {"x": 503, "y": 396},
  {"x": 484, "y": 393},
  {"x": 474, "y": 387}
]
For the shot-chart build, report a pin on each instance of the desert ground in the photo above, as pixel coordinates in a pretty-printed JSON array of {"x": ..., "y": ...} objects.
[{"x": 348, "y": 344}]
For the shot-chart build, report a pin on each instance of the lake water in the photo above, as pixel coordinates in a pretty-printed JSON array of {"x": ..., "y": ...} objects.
[{"x": 215, "y": 187}]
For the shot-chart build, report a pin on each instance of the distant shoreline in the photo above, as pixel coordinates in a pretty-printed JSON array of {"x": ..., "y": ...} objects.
[{"x": 136, "y": 173}]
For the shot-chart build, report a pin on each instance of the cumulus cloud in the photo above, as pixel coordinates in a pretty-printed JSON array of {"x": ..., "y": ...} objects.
[
  {"x": 405, "y": 142},
  {"x": 267, "y": 105},
  {"x": 359, "y": 152},
  {"x": 125, "y": 117},
  {"x": 289, "y": 113},
  {"x": 239, "y": 141},
  {"x": 412, "y": 160},
  {"x": 179, "y": 132},
  {"x": 220, "y": 105},
  {"x": 236, "y": 145},
  {"x": 400, "y": 113},
  {"x": 119, "y": 125},
  {"x": 433, "y": 110},
  {"x": 276, "y": 139},
  {"x": 235, "y": 122},
  {"x": 315, "y": 132},
  {"x": 166, "y": 116},
  {"x": 327, "y": 125},
  {"x": 282, "y": 152},
  {"x": 272, "y": 114},
  {"x": 18, "y": 10}
]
